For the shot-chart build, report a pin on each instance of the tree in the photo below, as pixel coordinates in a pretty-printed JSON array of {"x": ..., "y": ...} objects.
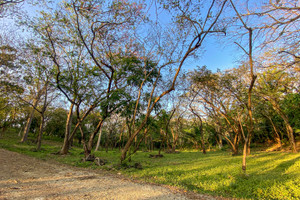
[
  {"x": 273, "y": 84},
  {"x": 37, "y": 76},
  {"x": 195, "y": 30},
  {"x": 55, "y": 125},
  {"x": 10, "y": 64},
  {"x": 221, "y": 97},
  {"x": 92, "y": 47}
]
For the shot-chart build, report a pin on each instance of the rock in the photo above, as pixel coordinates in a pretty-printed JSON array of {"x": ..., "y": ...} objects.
[
  {"x": 90, "y": 157},
  {"x": 100, "y": 162}
]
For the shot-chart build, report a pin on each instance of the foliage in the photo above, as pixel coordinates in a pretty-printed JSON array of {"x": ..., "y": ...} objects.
[{"x": 55, "y": 125}]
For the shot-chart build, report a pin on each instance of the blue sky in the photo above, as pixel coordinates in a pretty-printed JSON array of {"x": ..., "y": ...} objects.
[
  {"x": 213, "y": 54},
  {"x": 217, "y": 56}
]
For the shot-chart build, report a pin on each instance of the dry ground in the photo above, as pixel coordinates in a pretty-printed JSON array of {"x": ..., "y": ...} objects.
[{"x": 23, "y": 177}]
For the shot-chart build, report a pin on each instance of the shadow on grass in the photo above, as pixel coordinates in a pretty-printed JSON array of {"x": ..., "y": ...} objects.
[{"x": 266, "y": 179}]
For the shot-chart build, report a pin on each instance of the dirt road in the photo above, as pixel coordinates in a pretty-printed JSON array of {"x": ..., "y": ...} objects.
[{"x": 23, "y": 177}]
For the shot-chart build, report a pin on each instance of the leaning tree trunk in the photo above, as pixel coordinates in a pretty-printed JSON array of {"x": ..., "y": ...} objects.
[
  {"x": 65, "y": 148},
  {"x": 29, "y": 120},
  {"x": 130, "y": 140},
  {"x": 27, "y": 126},
  {"x": 276, "y": 135},
  {"x": 39, "y": 139},
  {"x": 99, "y": 140},
  {"x": 233, "y": 144},
  {"x": 289, "y": 131},
  {"x": 93, "y": 134}
]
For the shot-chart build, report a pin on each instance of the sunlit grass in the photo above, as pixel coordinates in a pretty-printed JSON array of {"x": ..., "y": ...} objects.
[{"x": 272, "y": 175}]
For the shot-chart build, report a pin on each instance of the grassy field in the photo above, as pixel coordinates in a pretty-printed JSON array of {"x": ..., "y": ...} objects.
[{"x": 272, "y": 175}]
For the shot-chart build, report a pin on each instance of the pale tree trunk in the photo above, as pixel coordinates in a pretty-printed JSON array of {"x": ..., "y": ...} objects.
[
  {"x": 218, "y": 136},
  {"x": 130, "y": 139},
  {"x": 19, "y": 134},
  {"x": 99, "y": 140},
  {"x": 67, "y": 141},
  {"x": 39, "y": 139},
  {"x": 290, "y": 133},
  {"x": 175, "y": 138},
  {"x": 234, "y": 144},
  {"x": 65, "y": 148},
  {"x": 29, "y": 120},
  {"x": 42, "y": 112},
  {"x": 89, "y": 145},
  {"x": 140, "y": 141},
  {"x": 219, "y": 141}
]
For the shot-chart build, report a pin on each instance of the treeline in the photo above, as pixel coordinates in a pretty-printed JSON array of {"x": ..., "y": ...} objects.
[{"x": 111, "y": 75}]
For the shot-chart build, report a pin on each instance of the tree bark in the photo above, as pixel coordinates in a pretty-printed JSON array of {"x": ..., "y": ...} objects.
[
  {"x": 99, "y": 139},
  {"x": 42, "y": 112},
  {"x": 175, "y": 138},
  {"x": 39, "y": 139},
  {"x": 92, "y": 136},
  {"x": 277, "y": 136},
  {"x": 29, "y": 120},
  {"x": 65, "y": 148}
]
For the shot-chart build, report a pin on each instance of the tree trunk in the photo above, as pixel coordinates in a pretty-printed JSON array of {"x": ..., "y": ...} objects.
[
  {"x": 42, "y": 112},
  {"x": 29, "y": 120},
  {"x": 219, "y": 141},
  {"x": 99, "y": 139},
  {"x": 27, "y": 127},
  {"x": 86, "y": 150},
  {"x": 39, "y": 139},
  {"x": 175, "y": 138},
  {"x": 233, "y": 144},
  {"x": 203, "y": 144},
  {"x": 277, "y": 136},
  {"x": 161, "y": 142},
  {"x": 245, "y": 155},
  {"x": 291, "y": 137},
  {"x": 19, "y": 134},
  {"x": 65, "y": 148},
  {"x": 92, "y": 136},
  {"x": 130, "y": 140}
]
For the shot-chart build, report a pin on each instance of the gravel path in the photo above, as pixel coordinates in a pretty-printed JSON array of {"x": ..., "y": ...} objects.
[{"x": 23, "y": 177}]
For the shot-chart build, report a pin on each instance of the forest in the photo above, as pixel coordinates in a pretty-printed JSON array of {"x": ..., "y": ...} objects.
[{"x": 123, "y": 76}]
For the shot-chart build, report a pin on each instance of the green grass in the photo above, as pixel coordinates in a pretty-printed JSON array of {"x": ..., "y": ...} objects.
[{"x": 273, "y": 175}]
